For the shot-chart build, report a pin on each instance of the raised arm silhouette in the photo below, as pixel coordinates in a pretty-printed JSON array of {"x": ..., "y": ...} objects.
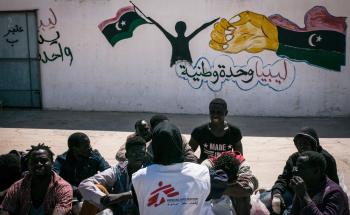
[{"x": 180, "y": 44}]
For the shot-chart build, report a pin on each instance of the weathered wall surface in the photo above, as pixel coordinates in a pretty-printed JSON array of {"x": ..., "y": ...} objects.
[{"x": 295, "y": 63}]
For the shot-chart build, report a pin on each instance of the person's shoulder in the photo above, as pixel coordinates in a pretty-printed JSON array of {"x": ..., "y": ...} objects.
[
  {"x": 327, "y": 155},
  {"x": 233, "y": 128},
  {"x": 201, "y": 128},
  {"x": 18, "y": 184},
  {"x": 60, "y": 182},
  {"x": 294, "y": 156},
  {"x": 331, "y": 186},
  {"x": 96, "y": 155},
  {"x": 132, "y": 135},
  {"x": 140, "y": 173},
  {"x": 62, "y": 157},
  {"x": 196, "y": 168}
]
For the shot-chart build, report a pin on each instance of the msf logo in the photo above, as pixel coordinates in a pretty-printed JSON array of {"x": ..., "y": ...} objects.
[{"x": 158, "y": 196}]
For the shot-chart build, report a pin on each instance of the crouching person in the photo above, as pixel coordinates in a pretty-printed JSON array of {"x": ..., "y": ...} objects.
[
  {"x": 110, "y": 190},
  {"x": 241, "y": 182},
  {"x": 41, "y": 191}
]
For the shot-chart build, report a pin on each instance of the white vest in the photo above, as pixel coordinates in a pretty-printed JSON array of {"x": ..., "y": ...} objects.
[{"x": 174, "y": 189}]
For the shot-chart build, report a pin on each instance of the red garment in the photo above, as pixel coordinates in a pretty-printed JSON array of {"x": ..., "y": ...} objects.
[
  {"x": 234, "y": 154},
  {"x": 58, "y": 197}
]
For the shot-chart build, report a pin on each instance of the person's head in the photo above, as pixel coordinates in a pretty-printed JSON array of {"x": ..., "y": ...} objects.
[
  {"x": 229, "y": 164},
  {"x": 40, "y": 159},
  {"x": 156, "y": 119},
  {"x": 135, "y": 151},
  {"x": 79, "y": 145},
  {"x": 311, "y": 167},
  {"x": 10, "y": 170},
  {"x": 180, "y": 28},
  {"x": 306, "y": 140},
  {"x": 217, "y": 110},
  {"x": 143, "y": 130},
  {"x": 167, "y": 144}
]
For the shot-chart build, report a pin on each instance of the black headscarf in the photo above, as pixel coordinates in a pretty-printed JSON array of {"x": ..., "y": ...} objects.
[{"x": 167, "y": 144}]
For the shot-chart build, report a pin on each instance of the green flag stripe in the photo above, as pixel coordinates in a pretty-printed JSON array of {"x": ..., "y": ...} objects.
[{"x": 323, "y": 58}]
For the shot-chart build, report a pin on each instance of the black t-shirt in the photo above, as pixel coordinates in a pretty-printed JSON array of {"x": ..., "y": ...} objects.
[{"x": 211, "y": 145}]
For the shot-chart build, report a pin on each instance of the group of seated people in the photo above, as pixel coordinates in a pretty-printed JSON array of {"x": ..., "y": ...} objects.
[{"x": 158, "y": 173}]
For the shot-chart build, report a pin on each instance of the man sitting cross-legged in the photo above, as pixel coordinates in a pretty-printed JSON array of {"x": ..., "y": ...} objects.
[
  {"x": 41, "y": 191},
  {"x": 79, "y": 162},
  {"x": 117, "y": 180}
]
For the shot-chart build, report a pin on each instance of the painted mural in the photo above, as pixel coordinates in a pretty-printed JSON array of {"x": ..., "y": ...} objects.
[
  {"x": 320, "y": 43},
  {"x": 51, "y": 48}
]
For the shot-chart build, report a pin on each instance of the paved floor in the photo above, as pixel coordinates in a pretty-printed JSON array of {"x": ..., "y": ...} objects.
[{"x": 267, "y": 141}]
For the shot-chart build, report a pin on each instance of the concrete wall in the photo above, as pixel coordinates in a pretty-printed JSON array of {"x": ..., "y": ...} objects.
[{"x": 135, "y": 74}]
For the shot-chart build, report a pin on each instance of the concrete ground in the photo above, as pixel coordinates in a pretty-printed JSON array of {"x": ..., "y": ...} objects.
[{"x": 267, "y": 141}]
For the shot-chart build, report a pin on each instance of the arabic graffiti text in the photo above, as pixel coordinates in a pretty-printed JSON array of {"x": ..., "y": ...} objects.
[{"x": 278, "y": 76}]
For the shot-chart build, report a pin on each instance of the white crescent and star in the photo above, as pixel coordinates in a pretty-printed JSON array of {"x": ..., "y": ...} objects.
[
  {"x": 122, "y": 23},
  {"x": 318, "y": 39}
]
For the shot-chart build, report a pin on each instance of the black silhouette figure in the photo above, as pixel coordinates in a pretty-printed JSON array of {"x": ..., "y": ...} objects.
[{"x": 180, "y": 44}]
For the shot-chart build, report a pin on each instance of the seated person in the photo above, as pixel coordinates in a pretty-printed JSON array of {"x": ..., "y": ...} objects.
[
  {"x": 170, "y": 185},
  {"x": 315, "y": 193},
  {"x": 79, "y": 162},
  {"x": 281, "y": 194},
  {"x": 241, "y": 182},
  {"x": 10, "y": 172},
  {"x": 142, "y": 129},
  {"x": 217, "y": 136},
  {"x": 117, "y": 180},
  {"x": 41, "y": 191}
]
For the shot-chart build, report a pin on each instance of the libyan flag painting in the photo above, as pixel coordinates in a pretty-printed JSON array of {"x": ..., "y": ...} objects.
[{"x": 122, "y": 25}]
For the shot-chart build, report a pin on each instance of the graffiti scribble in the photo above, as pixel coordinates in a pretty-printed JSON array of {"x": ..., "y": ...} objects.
[
  {"x": 11, "y": 34},
  {"x": 49, "y": 41}
]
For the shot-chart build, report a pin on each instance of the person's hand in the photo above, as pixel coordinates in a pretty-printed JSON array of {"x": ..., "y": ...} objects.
[
  {"x": 277, "y": 203},
  {"x": 111, "y": 199},
  {"x": 299, "y": 187},
  {"x": 252, "y": 32}
]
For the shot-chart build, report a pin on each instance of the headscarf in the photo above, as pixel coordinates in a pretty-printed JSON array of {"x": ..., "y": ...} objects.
[{"x": 167, "y": 144}]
